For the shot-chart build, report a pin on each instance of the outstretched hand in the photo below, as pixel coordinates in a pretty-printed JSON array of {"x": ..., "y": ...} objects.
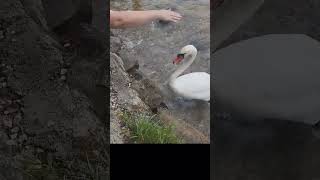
[{"x": 167, "y": 15}]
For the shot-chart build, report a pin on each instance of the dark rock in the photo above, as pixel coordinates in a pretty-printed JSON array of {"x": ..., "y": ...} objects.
[
  {"x": 11, "y": 142},
  {"x": 15, "y": 130},
  {"x": 1, "y": 35},
  {"x": 7, "y": 121},
  {"x": 13, "y": 136},
  {"x": 115, "y": 44},
  {"x": 11, "y": 110},
  {"x": 269, "y": 77},
  {"x": 63, "y": 71}
]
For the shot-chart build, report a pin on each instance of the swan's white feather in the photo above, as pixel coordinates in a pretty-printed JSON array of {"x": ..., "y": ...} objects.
[{"x": 193, "y": 86}]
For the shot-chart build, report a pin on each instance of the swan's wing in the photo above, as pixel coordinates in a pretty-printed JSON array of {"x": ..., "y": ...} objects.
[{"x": 194, "y": 85}]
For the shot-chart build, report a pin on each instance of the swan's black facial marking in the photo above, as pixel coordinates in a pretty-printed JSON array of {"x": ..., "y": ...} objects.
[{"x": 179, "y": 58}]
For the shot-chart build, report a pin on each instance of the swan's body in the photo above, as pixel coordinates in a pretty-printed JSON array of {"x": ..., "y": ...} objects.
[{"x": 193, "y": 85}]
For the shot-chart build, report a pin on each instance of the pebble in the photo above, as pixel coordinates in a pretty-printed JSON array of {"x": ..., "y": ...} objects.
[
  {"x": 14, "y": 136},
  {"x": 50, "y": 123},
  {"x": 11, "y": 142},
  {"x": 18, "y": 100},
  {"x": 63, "y": 78},
  {"x": 23, "y": 138},
  {"x": 67, "y": 45},
  {"x": 9, "y": 101},
  {"x": 63, "y": 71},
  {"x": 15, "y": 130},
  {"x": 4, "y": 84},
  {"x": 13, "y": 40},
  {"x": 17, "y": 118},
  {"x": 13, "y": 32},
  {"x": 2, "y": 101},
  {"x": 10, "y": 111},
  {"x": 7, "y": 122},
  {"x": 39, "y": 150},
  {"x": 1, "y": 35}
]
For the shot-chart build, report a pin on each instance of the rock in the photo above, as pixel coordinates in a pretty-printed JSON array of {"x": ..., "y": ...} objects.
[
  {"x": 15, "y": 130},
  {"x": 66, "y": 45},
  {"x": 50, "y": 123},
  {"x": 116, "y": 136},
  {"x": 226, "y": 25},
  {"x": 39, "y": 150},
  {"x": 4, "y": 84},
  {"x": 115, "y": 44},
  {"x": 63, "y": 71},
  {"x": 3, "y": 138},
  {"x": 10, "y": 110},
  {"x": 13, "y": 136},
  {"x": 68, "y": 10},
  {"x": 22, "y": 138},
  {"x": 7, "y": 122},
  {"x": 63, "y": 78},
  {"x": 1, "y": 35},
  {"x": 269, "y": 77},
  {"x": 127, "y": 97},
  {"x": 11, "y": 142}
]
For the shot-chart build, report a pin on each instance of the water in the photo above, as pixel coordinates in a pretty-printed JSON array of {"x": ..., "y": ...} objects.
[{"x": 155, "y": 45}]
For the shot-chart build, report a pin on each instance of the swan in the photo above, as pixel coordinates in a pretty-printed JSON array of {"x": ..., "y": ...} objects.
[{"x": 194, "y": 85}]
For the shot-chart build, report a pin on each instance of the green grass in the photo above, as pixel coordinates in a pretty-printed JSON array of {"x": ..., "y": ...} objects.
[{"x": 146, "y": 129}]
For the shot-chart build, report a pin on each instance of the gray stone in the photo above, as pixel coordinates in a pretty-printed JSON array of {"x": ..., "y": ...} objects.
[
  {"x": 11, "y": 142},
  {"x": 15, "y": 130},
  {"x": 269, "y": 77},
  {"x": 230, "y": 16},
  {"x": 63, "y": 71}
]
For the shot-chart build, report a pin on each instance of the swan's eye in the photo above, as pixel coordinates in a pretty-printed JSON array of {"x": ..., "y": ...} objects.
[
  {"x": 180, "y": 56},
  {"x": 178, "y": 59}
]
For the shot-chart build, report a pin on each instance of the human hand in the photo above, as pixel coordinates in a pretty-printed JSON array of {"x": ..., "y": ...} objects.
[{"x": 167, "y": 15}]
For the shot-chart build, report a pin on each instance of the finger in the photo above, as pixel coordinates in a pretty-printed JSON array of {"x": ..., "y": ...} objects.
[
  {"x": 175, "y": 17},
  {"x": 177, "y": 14}
]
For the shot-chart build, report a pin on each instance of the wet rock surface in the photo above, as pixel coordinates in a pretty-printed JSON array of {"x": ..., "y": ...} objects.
[{"x": 51, "y": 127}]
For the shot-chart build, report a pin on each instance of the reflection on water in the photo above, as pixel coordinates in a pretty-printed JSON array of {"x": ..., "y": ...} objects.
[{"x": 155, "y": 45}]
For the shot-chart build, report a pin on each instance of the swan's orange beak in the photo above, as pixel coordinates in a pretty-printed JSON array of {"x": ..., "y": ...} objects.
[{"x": 178, "y": 59}]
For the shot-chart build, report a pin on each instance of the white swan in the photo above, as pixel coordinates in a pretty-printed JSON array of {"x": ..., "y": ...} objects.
[{"x": 194, "y": 85}]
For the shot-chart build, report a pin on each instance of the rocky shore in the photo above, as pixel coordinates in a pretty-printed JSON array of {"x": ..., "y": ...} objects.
[{"x": 51, "y": 124}]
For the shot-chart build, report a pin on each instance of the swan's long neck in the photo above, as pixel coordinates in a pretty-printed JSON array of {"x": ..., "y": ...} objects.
[{"x": 183, "y": 67}]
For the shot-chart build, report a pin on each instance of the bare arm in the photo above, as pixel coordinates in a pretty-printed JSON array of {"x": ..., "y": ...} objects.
[{"x": 125, "y": 19}]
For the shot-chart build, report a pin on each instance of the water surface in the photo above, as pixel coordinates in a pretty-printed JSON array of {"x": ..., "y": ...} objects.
[{"x": 155, "y": 45}]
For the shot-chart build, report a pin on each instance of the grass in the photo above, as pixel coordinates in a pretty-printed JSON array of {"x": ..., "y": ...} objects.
[{"x": 147, "y": 129}]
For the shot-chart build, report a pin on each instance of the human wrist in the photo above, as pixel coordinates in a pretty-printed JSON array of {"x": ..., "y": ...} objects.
[{"x": 158, "y": 14}]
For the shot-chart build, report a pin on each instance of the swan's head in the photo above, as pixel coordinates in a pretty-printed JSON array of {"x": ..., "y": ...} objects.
[{"x": 188, "y": 50}]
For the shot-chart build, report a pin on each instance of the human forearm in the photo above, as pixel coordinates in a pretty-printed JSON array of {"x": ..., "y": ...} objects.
[{"x": 124, "y": 19}]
